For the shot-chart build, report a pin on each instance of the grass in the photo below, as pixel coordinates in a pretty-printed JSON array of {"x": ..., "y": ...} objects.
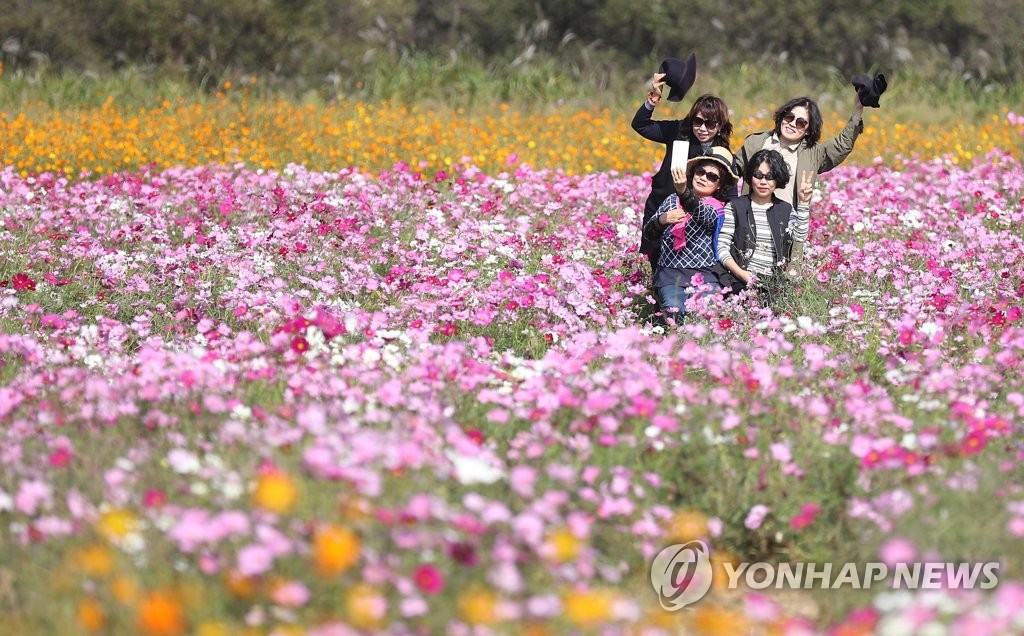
[{"x": 440, "y": 82}]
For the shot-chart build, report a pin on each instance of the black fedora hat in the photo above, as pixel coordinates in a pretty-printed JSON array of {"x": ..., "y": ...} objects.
[
  {"x": 869, "y": 89},
  {"x": 679, "y": 75}
]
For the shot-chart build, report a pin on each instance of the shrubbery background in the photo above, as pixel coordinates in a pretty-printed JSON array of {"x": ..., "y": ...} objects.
[{"x": 305, "y": 43}]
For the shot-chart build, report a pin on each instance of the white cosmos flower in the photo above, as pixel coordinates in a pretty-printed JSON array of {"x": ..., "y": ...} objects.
[
  {"x": 183, "y": 462},
  {"x": 473, "y": 470}
]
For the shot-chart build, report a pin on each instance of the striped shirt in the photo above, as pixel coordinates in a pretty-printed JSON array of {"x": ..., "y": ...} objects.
[
  {"x": 800, "y": 222},
  {"x": 764, "y": 255}
]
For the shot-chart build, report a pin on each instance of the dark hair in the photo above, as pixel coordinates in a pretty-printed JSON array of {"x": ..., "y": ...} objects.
[
  {"x": 813, "y": 114},
  {"x": 712, "y": 108},
  {"x": 724, "y": 183},
  {"x": 776, "y": 165}
]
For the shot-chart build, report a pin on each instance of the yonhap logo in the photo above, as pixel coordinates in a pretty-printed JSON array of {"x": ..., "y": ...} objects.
[{"x": 681, "y": 574}]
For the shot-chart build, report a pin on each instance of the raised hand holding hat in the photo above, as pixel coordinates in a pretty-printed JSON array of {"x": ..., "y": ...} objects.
[
  {"x": 679, "y": 75},
  {"x": 869, "y": 89}
]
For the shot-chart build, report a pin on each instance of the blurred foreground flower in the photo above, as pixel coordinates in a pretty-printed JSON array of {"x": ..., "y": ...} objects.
[
  {"x": 160, "y": 614},
  {"x": 473, "y": 470},
  {"x": 588, "y": 608},
  {"x": 90, "y": 615},
  {"x": 478, "y": 607},
  {"x": 366, "y": 606},
  {"x": 118, "y": 523},
  {"x": 688, "y": 525},
  {"x": 275, "y": 492},
  {"x": 335, "y": 550}
]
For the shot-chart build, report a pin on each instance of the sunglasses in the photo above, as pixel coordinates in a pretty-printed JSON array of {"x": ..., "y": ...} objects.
[
  {"x": 713, "y": 177},
  {"x": 757, "y": 174},
  {"x": 700, "y": 122},
  {"x": 798, "y": 122}
]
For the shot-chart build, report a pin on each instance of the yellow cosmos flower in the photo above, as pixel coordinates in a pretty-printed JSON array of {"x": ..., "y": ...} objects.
[
  {"x": 688, "y": 525},
  {"x": 267, "y": 134},
  {"x": 562, "y": 546},
  {"x": 275, "y": 492},
  {"x": 711, "y": 620},
  {"x": 719, "y": 575},
  {"x": 213, "y": 628},
  {"x": 478, "y": 606},
  {"x": 118, "y": 523},
  {"x": 588, "y": 608}
]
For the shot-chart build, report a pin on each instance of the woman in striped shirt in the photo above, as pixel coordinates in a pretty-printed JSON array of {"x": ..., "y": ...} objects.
[{"x": 759, "y": 228}]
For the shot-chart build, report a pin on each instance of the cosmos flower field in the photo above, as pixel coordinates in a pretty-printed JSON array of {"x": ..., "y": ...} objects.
[{"x": 418, "y": 400}]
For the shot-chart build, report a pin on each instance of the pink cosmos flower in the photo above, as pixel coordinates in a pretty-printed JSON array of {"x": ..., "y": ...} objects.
[
  {"x": 154, "y": 498},
  {"x": 60, "y": 458},
  {"x": 897, "y": 550},
  {"x": 1015, "y": 526},
  {"x": 299, "y": 344},
  {"x": 429, "y": 579},
  {"x": 291, "y": 594},
  {"x": 255, "y": 559},
  {"x": 808, "y": 513},
  {"x": 756, "y": 516},
  {"x": 522, "y": 479},
  {"x": 781, "y": 452},
  {"x": 22, "y": 282}
]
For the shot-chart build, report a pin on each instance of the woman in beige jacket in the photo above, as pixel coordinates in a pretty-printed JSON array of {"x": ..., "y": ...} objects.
[{"x": 796, "y": 136}]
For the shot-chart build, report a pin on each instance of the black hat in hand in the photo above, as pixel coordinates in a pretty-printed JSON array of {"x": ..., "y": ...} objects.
[
  {"x": 868, "y": 89},
  {"x": 679, "y": 75}
]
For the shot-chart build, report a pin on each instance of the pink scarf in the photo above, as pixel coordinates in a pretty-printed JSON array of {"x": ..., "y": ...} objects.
[{"x": 678, "y": 230}]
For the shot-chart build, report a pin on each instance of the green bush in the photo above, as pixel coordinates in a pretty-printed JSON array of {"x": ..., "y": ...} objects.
[{"x": 305, "y": 41}]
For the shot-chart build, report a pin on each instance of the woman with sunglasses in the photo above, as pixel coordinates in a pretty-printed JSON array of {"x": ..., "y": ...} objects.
[
  {"x": 685, "y": 227},
  {"x": 797, "y": 136},
  {"x": 706, "y": 126},
  {"x": 760, "y": 229}
]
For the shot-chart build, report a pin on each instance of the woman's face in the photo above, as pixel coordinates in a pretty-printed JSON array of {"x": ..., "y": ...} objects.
[
  {"x": 761, "y": 183},
  {"x": 794, "y": 124},
  {"x": 706, "y": 178},
  {"x": 704, "y": 130}
]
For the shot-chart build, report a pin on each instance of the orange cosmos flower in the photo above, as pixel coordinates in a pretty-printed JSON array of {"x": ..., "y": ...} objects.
[
  {"x": 160, "y": 614},
  {"x": 90, "y": 615},
  {"x": 335, "y": 550}
]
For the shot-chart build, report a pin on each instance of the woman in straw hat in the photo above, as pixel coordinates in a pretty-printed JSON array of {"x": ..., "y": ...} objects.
[{"x": 685, "y": 228}]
